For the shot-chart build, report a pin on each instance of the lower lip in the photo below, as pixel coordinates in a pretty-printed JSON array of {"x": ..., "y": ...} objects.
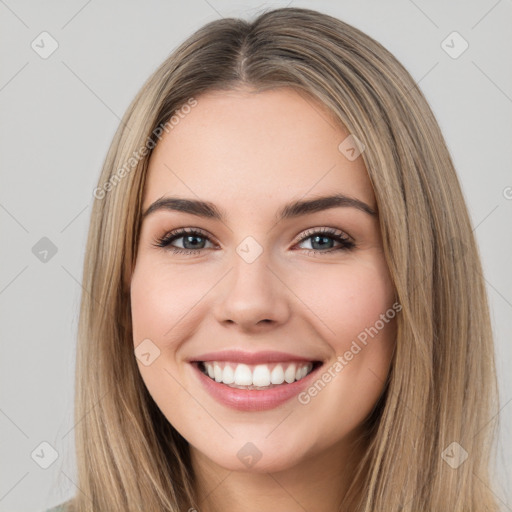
[{"x": 253, "y": 400}]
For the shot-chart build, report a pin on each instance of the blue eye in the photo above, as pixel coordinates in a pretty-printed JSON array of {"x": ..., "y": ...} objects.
[
  {"x": 323, "y": 236},
  {"x": 193, "y": 241},
  {"x": 190, "y": 239}
]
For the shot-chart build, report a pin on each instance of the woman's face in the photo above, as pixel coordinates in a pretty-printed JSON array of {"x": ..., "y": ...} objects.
[{"x": 261, "y": 288}]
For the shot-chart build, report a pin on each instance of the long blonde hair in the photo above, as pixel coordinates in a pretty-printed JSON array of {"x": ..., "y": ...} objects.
[{"x": 442, "y": 386}]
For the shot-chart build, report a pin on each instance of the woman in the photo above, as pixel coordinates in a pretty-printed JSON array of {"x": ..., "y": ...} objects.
[{"x": 227, "y": 360}]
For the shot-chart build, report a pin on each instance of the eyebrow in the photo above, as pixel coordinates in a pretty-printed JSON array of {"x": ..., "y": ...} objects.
[{"x": 294, "y": 209}]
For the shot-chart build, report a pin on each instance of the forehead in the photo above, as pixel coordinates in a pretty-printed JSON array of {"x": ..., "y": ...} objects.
[{"x": 245, "y": 146}]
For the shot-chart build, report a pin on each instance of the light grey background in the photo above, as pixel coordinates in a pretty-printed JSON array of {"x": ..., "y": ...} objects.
[{"x": 59, "y": 114}]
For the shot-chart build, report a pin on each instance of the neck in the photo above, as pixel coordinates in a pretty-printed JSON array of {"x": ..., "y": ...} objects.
[{"x": 318, "y": 483}]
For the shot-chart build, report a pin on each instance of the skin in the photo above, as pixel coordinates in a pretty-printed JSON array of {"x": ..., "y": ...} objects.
[{"x": 250, "y": 153}]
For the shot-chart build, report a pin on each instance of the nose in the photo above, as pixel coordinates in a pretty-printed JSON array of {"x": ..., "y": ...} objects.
[{"x": 253, "y": 296}]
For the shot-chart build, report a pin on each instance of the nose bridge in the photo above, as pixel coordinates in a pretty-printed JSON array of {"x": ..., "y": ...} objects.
[{"x": 252, "y": 292}]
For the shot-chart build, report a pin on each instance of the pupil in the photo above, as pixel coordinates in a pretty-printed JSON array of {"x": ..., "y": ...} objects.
[
  {"x": 317, "y": 238},
  {"x": 188, "y": 238}
]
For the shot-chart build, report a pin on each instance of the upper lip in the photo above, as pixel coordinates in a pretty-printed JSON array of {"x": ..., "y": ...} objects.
[{"x": 238, "y": 356}]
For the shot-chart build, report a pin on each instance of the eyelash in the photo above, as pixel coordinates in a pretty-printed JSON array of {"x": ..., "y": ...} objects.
[{"x": 346, "y": 243}]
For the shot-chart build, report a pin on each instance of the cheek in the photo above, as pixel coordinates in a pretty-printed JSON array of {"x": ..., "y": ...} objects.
[
  {"x": 366, "y": 311},
  {"x": 357, "y": 319},
  {"x": 357, "y": 306},
  {"x": 162, "y": 307},
  {"x": 163, "y": 299},
  {"x": 348, "y": 299}
]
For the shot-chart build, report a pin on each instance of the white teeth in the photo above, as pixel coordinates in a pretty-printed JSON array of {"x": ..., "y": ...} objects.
[
  {"x": 289, "y": 374},
  {"x": 243, "y": 376},
  {"x": 228, "y": 376},
  {"x": 217, "y": 371},
  {"x": 260, "y": 376},
  {"x": 277, "y": 375}
]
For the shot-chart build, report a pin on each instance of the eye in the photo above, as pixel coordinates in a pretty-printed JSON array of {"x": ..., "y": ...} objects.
[
  {"x": 193, "y": 240},
  {"x": 322, "y": 238}
]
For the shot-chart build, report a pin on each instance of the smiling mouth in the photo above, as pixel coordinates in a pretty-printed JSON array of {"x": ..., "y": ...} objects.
[{"x": 256, "y": 377}]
